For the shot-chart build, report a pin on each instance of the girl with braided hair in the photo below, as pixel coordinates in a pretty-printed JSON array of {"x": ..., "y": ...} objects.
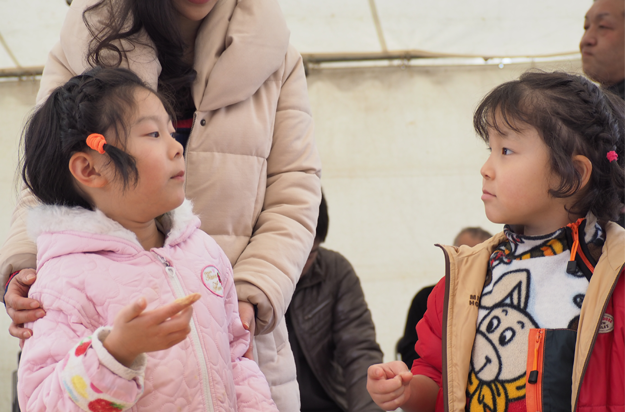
[
  {"x": 120, "y": 261},
  {"x": 239, "y": 93},
  {"x": 534, "y": 318}
]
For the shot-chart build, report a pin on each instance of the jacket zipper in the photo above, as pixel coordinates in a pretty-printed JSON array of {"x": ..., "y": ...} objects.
[
  {"x": 195, "y": 338},
  {"x": 594, "y": 338},
  {"x": 537, "y": 347},
  {"x": 535, "y": 375},
  {"x": 444, "y": 337}
]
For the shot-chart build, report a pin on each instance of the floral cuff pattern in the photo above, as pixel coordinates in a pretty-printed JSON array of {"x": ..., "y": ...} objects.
[{"x": 78, "y": 384}]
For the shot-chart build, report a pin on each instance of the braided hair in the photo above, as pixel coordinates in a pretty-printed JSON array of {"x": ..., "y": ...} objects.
[
  {"x": 573, "y": 117},
  {"x": 97, "y": 101}
]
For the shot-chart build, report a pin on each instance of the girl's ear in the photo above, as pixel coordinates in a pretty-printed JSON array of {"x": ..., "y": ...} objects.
[
  {"x": 86, "y": 169},
  {"x": 584, "y": 167}
]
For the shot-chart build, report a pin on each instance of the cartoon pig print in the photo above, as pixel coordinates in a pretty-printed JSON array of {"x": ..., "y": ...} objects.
[
  {"x": 502, "y": 334},
  {"x": 498, "y": 360}
]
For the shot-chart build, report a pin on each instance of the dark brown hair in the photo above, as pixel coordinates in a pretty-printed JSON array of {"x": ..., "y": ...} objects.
[
  {"x": 94, "y": 102},
  {"x": 323, "y": 220},
  {"x": 124, "y": 23},
  {"x": 572, "y": 116}
]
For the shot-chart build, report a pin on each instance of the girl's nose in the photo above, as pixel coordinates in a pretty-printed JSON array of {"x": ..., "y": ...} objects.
[
  {"x": 176, "y": 147},
  {"x": 486, "y": 171}
]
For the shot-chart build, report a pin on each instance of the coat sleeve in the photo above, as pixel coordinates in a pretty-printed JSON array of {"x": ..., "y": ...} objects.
[
  {"x": 354, "y": 337},
  {"x": 19, "y": 251},
  {"x": 430, "y": 343},
  {"x": 252, "y": 389},
  {"x": 268, "y": 269},
  {"x": 406, "y": 344},
  {"x": 64, "y": 366}
]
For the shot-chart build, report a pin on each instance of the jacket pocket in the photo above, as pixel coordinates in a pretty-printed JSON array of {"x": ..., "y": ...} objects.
[
  {"x": 317, "y": 309},
  {"x": 319, "y": 318}
]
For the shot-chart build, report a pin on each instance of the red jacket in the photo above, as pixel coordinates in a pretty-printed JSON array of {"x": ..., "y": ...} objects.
[{"x": 447, "y": 331}]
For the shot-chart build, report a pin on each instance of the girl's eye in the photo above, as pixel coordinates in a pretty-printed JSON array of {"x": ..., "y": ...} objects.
[
  {"x": 154, "y": 134},
  {"x": 506, "y": 152}
]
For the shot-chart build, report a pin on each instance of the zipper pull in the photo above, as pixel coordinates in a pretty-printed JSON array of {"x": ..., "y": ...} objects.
[
  {"x": 161, "y": 259},
  {"x": 571, "y": 266},
  {"x": 533, "y": 377}
]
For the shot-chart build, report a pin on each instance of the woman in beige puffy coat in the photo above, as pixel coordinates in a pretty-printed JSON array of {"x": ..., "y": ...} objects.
[{"x": 252, "y": 165}]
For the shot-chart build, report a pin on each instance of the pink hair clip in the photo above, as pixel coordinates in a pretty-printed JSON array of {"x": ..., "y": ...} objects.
[
  {"x": 96, "y": 141},
  {"x": 612, "y": 156}
]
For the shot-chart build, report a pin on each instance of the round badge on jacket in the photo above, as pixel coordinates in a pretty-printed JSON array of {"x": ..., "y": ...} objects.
[
  {"x": 212, "y": 280},
  {"x": 607, "y": 323}
]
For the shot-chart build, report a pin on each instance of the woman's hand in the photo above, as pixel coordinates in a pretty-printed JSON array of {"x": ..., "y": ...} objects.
[
  {"x": 248, "y": 318},
  {"x": 19, "y": 307},
  {"x": 136, "y": 332}
]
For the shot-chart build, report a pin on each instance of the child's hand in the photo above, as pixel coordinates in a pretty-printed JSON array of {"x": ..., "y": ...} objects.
[
  {"x": 135, "y": 331},
  {"x": 389, "y": 384}
]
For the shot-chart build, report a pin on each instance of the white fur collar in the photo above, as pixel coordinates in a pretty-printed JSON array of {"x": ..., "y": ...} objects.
[{"x": 47, "y": 218}]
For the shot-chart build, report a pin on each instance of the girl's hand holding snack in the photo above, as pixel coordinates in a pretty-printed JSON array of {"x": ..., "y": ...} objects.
[{"x": 135, "y": 331}]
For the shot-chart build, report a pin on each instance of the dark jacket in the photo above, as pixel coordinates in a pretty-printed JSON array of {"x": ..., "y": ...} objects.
[
  {"x": 405, "y": 345},
  {"x": 333, "y": 326}
]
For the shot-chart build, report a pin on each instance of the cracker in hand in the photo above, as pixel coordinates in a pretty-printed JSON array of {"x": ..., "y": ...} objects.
[{"x": 189, "y": 299}]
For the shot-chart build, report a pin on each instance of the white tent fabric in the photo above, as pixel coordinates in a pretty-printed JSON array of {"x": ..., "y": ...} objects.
[
  {"x": 29, "y": 29},
  {"x": 489, "y": 28}
]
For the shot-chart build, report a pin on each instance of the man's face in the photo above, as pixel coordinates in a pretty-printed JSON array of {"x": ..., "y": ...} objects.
[{"x": 603, "y": 42}]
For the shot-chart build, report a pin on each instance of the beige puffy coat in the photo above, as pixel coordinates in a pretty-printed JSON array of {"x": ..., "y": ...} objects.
[{"x": 252, "y": 165}]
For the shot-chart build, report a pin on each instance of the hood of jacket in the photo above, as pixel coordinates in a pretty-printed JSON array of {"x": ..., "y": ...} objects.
[{"x": 62, "y": 230}]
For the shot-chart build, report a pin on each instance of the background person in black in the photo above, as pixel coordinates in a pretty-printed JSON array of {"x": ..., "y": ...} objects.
[
  {"x": 404, "y": 349},
  {"x": 331, "y": 332}
]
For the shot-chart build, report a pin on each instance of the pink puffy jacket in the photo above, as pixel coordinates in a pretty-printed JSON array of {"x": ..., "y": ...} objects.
[{"x": 89, "y": 267}]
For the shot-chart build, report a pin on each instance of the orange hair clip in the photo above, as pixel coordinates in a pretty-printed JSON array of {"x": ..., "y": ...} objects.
[{"x": 96, "y": 141}]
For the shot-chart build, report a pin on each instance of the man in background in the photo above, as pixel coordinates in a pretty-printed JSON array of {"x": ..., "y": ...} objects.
[
  {"x": 603, "y": 45},
  {"x": 331, "y": 332},
  {"x": 603, "y": 50}
]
